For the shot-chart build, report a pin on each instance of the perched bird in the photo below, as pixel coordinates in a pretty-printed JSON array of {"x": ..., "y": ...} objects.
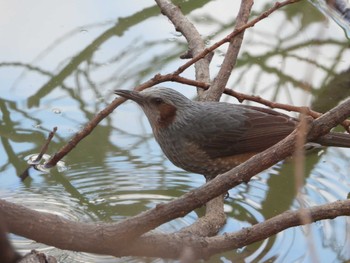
[{"x": 211, "y": 138}]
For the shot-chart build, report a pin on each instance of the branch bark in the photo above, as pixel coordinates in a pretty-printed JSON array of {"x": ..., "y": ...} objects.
[
  {"x": 156, "y": 80},
  {"x": 108, "y": 238},
  {"x": 215, "y": 217},
  {"x": 195, "y": 42},
  {"x": 168, "y": 245},
  {"x": 115, "y": 238},
  {"x": 236, "y": 32},
  {"x": 217, "y": 88},
  {"x": 98, "y": 238}
]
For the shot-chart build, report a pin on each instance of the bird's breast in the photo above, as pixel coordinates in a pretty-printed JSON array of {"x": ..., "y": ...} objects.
[{"x": 191, "y": 157}]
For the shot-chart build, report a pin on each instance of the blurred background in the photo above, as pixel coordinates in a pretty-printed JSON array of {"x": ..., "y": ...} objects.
[{"x": 60, "y": 62}]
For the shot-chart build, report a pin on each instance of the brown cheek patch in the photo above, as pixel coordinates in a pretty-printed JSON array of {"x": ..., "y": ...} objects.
[{"x": 167, "y": 115}]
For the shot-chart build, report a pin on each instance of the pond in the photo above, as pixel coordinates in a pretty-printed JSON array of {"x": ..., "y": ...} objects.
[{"x": 59, "y": 65}]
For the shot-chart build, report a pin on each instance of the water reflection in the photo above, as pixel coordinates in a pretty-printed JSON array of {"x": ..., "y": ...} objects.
[
  {"x": 119, "y": 171},
  {"x": 125, "y": 186},
  {"x": 52, "y": 199}
]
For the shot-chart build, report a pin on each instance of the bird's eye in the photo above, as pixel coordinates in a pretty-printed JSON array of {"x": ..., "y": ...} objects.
[{"x": 157, "y": 100}]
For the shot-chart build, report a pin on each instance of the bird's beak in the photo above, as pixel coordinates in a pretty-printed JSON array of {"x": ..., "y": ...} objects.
[{"x": 130, "y": 94}]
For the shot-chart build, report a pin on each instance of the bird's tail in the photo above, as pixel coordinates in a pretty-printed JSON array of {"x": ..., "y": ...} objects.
[{"x": 336, "y": 139}]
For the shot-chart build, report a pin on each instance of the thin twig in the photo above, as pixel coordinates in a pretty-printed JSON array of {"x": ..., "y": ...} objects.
[
  {"x": 242, "y": 97},
  {"x": 46, "y": 145},
  {"x": 158, "y": 78},
  {"x": 43, "y": 150},
  {"x": 131, "y": 228},
  {"x": 230, "y": 36},
  {"x": 301, "y": 109}
]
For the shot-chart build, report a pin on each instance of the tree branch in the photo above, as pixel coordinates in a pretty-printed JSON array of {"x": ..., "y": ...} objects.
[
  {"x": 98, "y": 238},
  {"x": 214, "y": 217},
  {"x": 156, "y": 80},
  {"x": 117, "y": 236},
  {"x": 236, "y": 32},
  {"x": 194, "y": 39},
  {"x": 213, "y": 220},
  {"x": 215, "y": 91},
  {"x": 43, "y": 150},
  {"x": 171, "y": 246}
]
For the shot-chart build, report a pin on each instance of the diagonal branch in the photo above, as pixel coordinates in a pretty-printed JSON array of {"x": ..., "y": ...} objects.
[
  {"x": 171, "y": 246},
  {"x": 220, "y": 81},
  {"x": 43, "y": 150},
  {"x": 195, "y": 42},
  {"x": 117, "y": 236},
  {"x": 84, "y": 132},
  {"x": 179, "y": 207},
  {"x": 214, "y": 217},
  {"x": 156, "y": 80},
  {"x": 100, "y": 238},
  {"x": 236, "y": 32}
]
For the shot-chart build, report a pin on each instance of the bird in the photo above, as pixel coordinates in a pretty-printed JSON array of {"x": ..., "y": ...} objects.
[{"x": 211, "y": 138}]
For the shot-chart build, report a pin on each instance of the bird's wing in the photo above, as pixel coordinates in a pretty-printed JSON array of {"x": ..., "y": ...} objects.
[{"x": 243, "y": 129}]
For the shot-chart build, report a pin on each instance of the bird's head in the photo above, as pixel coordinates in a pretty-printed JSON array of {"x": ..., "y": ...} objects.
[{"x": 161, "y": 105}]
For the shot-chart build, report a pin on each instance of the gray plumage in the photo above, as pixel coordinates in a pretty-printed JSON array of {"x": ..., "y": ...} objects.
[{"x": 210, "y": 138}]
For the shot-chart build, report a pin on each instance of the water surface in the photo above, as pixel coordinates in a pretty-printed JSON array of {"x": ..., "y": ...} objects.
[{"x": 59, "y": 65}]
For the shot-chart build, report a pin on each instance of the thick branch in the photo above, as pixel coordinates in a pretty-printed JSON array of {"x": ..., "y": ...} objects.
[
  {"x": 117, "y": 236},
  {"x": 7, "y": 252},
  {"x": 213, "y": 220},
  {"x": 215, "y": 217},
  {"x": 95, "y": 237},
  {"x": 194, "y": 39},
  {"x": 156, "y": 80},
  {"x": 172, "y": 245},
  {"x": 220, "y": 81}
]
